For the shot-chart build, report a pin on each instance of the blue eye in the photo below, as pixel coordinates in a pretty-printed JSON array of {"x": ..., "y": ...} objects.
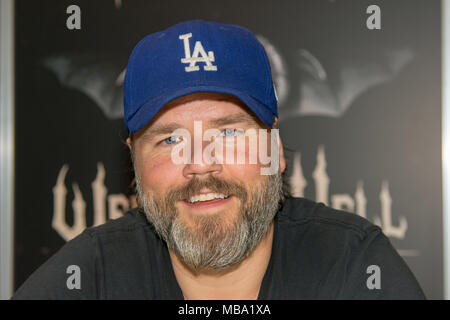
[
  {"x": 171, "y": 140},
  {"x": 230, "y": 132}
]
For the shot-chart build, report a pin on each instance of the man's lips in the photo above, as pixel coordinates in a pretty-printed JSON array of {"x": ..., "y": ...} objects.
[{"x": 207, "y": 204}]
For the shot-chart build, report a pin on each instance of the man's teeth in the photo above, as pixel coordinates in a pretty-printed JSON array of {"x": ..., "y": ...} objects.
[{"x": 207, "y": 196}]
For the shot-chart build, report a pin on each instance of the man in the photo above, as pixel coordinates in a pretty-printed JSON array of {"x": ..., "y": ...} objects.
[{"x": 213, "y": 221}]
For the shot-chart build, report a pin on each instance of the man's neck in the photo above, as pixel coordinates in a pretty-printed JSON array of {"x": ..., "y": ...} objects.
[{"x": 242, "y": 281}]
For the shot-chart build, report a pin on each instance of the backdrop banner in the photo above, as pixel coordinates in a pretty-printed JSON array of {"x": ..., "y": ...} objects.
[{"x": 359, "y": 91}]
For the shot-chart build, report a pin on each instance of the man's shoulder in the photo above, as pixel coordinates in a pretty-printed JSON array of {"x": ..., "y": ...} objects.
[
  {"x": 305, "y": 212},
  {"x": 131, "y": 221},
  {"x": 111, "y": 259},
  {"x": 329, "y": 253}
]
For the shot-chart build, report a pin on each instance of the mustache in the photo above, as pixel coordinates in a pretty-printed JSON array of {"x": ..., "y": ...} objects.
[{"x": 212, "y": 183}]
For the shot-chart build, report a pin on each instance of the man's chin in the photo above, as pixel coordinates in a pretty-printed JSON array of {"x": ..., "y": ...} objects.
[
  {"x": 208, "y": 224},
  {"x": 205, "y": 241}
]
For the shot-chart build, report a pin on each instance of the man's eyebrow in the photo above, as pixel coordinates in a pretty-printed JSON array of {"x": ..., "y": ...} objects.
[{"x": 161, "y": 129}]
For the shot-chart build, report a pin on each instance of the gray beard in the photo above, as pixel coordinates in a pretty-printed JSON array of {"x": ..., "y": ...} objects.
[{"x": 212, "y": 243}]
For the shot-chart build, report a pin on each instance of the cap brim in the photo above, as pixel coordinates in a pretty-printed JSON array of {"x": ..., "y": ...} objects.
[{"x": 147, "y": 111}]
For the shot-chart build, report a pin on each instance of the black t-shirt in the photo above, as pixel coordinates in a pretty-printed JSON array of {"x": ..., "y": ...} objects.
[{"x": 317, "y": 253}]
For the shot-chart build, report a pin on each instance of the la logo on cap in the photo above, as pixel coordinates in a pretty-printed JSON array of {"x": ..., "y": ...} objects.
[{"x": 199, "y": 55}]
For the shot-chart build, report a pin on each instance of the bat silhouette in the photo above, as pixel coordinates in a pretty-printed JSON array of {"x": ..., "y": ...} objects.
[{"x": 317, "y": 92}]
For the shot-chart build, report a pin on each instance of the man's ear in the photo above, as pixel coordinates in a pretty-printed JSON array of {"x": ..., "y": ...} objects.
[{"x": 281, "y": 155}]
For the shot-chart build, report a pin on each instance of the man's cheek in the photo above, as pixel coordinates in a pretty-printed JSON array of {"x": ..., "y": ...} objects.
[{"x": 159, "y": 171}]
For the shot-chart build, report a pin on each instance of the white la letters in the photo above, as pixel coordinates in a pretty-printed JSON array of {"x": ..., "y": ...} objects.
[{"x": 198, "y": 51}]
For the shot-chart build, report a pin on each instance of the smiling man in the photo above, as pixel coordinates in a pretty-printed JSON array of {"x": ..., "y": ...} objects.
[
  {"x": 218, "y": 224},
  {"x": 216, "y": 216}
]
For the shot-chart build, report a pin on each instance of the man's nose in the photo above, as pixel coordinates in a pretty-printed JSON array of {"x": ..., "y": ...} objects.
[{"x": 202, "y": 163}]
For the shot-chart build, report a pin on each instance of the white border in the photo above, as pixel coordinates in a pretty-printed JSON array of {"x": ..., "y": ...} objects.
[
  {"x": 7, "y": 144},
  {"x": 445, "y": 6},
  {"x": 6, "y": 147}
]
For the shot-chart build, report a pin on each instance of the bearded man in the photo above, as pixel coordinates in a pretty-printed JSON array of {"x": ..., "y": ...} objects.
[{"x": 215, "y": 220}]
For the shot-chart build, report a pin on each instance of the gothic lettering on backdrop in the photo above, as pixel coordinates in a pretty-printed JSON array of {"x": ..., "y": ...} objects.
[
  {"x": 356, "y": 204},
  {"x": 119, "y": 203}
]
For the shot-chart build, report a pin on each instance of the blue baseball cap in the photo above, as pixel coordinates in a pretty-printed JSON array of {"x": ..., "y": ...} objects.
[{"x": 197, "y": 56}]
